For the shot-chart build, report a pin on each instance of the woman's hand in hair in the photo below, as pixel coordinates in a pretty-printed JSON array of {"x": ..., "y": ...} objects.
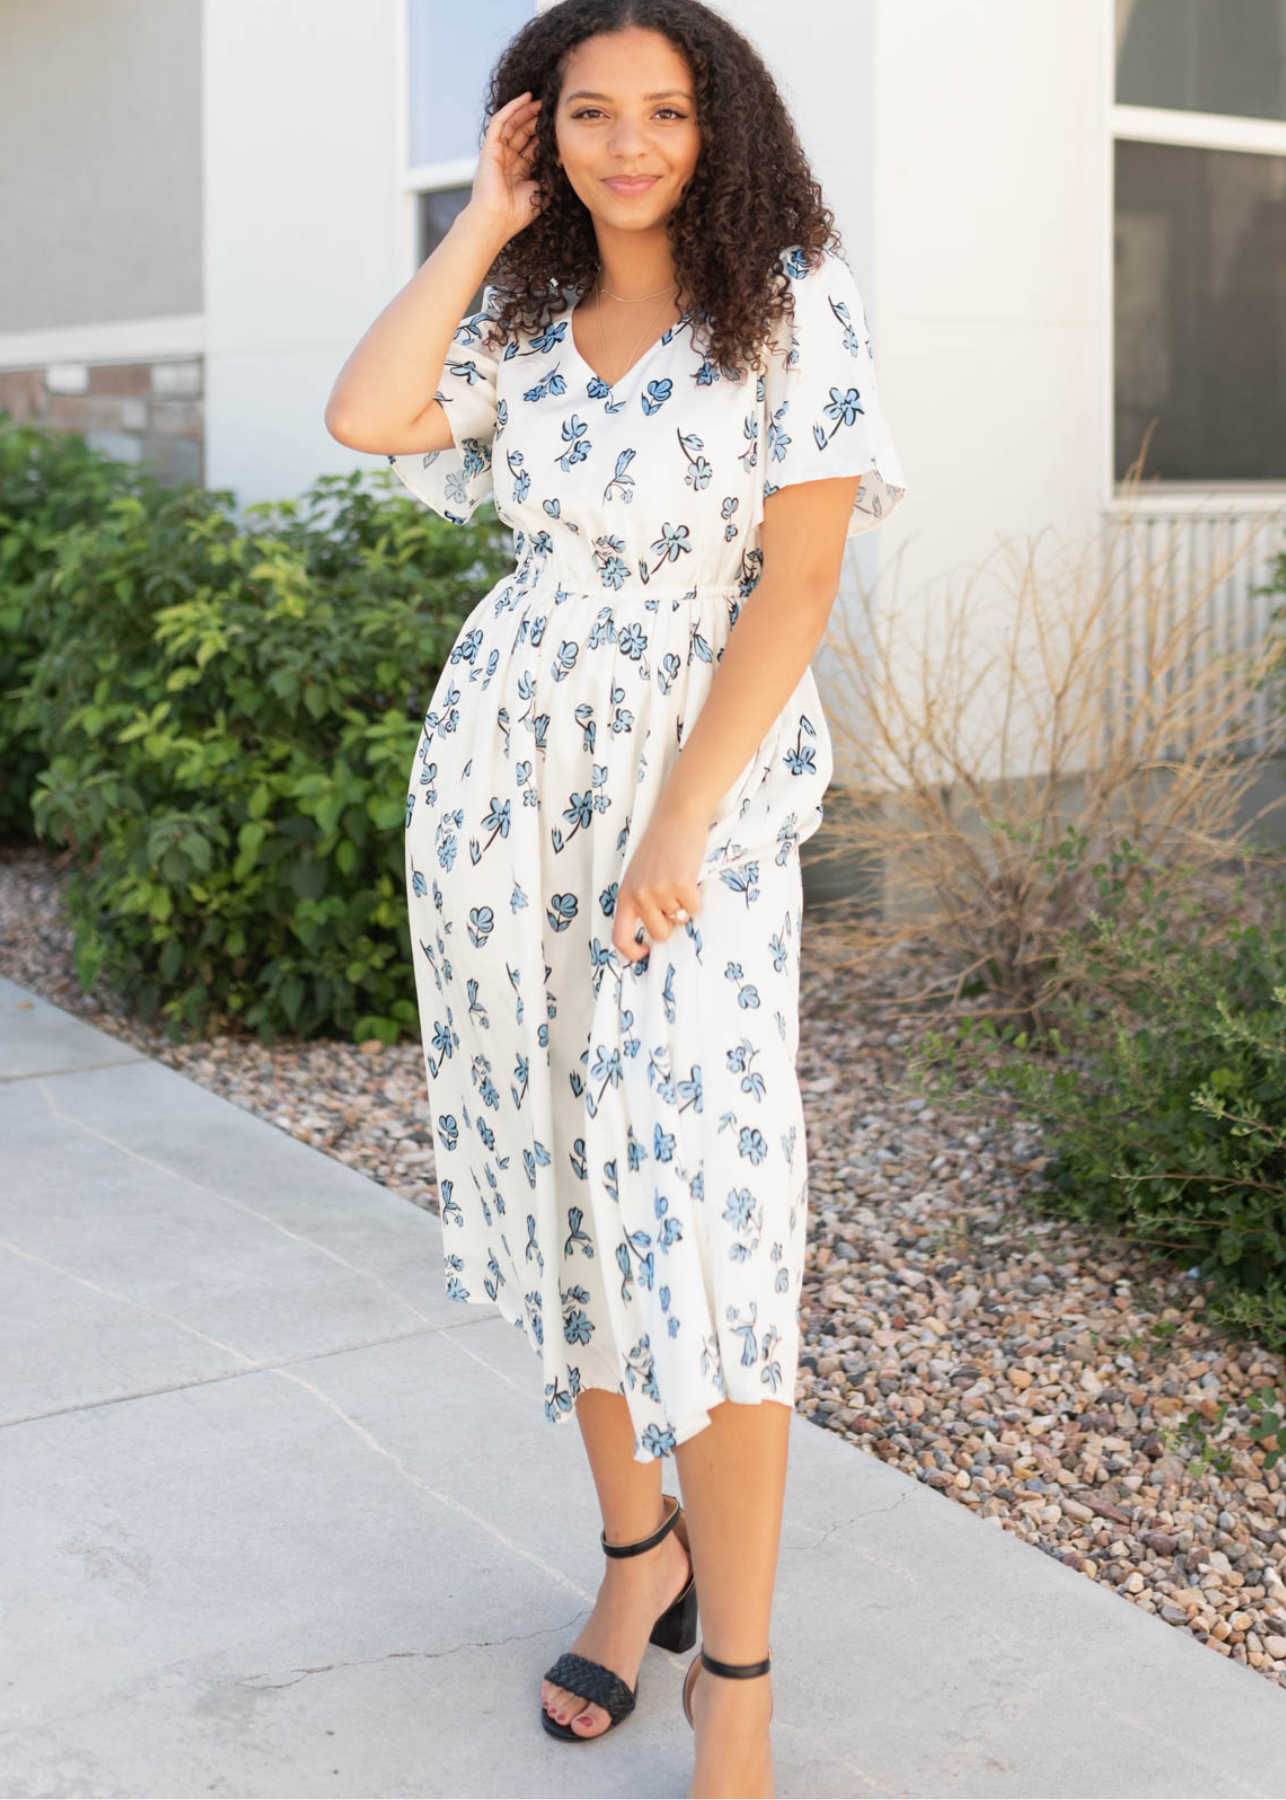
[{"x": 503, "y": 189}]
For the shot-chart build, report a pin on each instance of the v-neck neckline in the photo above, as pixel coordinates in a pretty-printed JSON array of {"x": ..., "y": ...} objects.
[{"x": 667, "y": 336}]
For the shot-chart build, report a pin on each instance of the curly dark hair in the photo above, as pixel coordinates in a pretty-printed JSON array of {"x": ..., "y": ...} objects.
[{"x": 751, "y": 196}]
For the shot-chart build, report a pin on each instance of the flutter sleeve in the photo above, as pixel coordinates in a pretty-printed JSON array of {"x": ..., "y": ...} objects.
[
  {"x": 455, "y": 482},
  {"x": 822, "y": 404}
]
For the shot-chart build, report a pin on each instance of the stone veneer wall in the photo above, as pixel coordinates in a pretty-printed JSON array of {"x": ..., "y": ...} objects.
[{"x": 149, "y": 412}]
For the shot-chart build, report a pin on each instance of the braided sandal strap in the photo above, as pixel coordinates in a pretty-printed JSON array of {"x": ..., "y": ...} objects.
[{"x": 593, "y": 1682}]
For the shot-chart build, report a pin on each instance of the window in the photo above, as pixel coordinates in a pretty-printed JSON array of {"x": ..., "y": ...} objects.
[
  {"x": 1200, "y": 240},
  {"x": 436, "y": 207},
  {"x": 1191, "y": 56},
  {"x": 450, "y": 53}
]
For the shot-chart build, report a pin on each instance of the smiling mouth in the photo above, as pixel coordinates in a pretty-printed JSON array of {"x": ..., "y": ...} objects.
[{"x": 632, "y": 184}]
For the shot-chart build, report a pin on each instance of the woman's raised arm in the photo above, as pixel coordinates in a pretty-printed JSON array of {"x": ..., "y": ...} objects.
[{"x": 382, "y": 400}]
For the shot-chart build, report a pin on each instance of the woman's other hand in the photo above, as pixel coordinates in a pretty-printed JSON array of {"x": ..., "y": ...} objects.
[{"x": 661, "y": 877}]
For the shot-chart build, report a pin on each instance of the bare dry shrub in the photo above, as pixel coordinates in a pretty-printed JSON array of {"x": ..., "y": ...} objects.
[{"x": 1094, "y": 725}]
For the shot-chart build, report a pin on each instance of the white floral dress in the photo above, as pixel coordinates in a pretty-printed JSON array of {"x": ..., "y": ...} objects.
[{"x": 620, "y": 1146}]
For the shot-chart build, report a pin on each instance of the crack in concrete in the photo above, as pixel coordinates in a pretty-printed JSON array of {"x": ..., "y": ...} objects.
[
  {"x": 863, "y": 1551},
  {"x": 264, "y": 1686},
  {"x": 870, "y": 1513}
]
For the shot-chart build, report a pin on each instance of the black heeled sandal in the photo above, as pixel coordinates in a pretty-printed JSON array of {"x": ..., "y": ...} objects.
[
  {"x": 675, "y": 1629},
  {"x": 736, "y": 1671}
]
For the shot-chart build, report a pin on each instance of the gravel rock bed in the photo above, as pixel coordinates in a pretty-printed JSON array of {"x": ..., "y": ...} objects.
[{"x": 1025, "y": 1367}]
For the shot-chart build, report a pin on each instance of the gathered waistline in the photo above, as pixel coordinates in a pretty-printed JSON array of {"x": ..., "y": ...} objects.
[
  {"x": 534, "y": 569},
  {"x": 531, "y": 576}
]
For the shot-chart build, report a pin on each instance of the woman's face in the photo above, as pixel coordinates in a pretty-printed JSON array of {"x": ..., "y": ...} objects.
[{"x": 627, "y": 109}]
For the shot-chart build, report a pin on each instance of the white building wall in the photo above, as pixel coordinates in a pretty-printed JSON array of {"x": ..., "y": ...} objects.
[
  {"x": 993, "y": 234},
  {"x": 995, "y": 245},
  {"x": 302, "y": 212}
]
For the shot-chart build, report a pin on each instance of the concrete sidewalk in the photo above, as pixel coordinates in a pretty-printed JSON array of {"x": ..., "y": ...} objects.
[{"x": 276, "y": 1518}]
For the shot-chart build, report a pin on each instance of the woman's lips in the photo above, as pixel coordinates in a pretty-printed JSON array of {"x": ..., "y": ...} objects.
[{"x": 621, "y": 184}]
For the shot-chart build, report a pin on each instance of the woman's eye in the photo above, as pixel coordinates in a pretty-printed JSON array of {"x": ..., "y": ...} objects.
[{"x": 586, "y": 111}]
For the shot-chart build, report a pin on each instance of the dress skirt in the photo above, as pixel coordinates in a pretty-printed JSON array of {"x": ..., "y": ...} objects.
[{"x": 620, "y": 1146}]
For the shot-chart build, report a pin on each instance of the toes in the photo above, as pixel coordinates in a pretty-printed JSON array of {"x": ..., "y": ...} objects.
[
  {"x": 562, "y": 1705},
  {"x": 585, "y": 1719}
]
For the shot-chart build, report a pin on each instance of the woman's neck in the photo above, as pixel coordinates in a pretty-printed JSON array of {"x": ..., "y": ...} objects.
[{"x": 635, "y": 266}]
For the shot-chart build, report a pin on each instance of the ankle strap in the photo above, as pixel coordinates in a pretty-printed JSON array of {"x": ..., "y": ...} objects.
[
  {"x": 739, "y": 1671},
  {"x": 646, "y": 1543}
]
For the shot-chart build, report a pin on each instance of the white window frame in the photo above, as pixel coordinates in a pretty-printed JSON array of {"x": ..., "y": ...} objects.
[
  {"x": 415, "y": 179},
  {"x": 1201, "y": 131}
]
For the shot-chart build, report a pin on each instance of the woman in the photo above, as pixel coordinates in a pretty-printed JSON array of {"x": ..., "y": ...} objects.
[{"x": 669, "y": 393}]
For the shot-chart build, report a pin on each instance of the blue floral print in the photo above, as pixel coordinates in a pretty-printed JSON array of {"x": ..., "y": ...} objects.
[{"x": 620, "y": 1146}]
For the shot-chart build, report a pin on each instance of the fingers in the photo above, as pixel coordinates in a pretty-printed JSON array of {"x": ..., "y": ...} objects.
[
  {"x": 652, "y": 911},
  {"x": 514, "y": 116},
  {"x": 517, "y": 125},
  {"x": 623, "y": 929},
  {"x": 688, "y": 895},
  {"x": 519, "y": 135},
  {"x": 524, "y": 147},
  {"x": 655, "y": 923}
]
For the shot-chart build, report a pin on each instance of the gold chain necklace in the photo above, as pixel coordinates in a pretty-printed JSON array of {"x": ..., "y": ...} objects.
[
  {"x": 635, "y": 299},
  {"x": 638, "y": 340}
]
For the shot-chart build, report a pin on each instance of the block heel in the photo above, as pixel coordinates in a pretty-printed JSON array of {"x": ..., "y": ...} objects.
[{"x": 675, "y": 1629}]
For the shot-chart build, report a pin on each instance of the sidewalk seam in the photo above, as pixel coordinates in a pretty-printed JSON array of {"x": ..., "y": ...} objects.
[
  {"x": 264, "y": 1368},
  {"x": 114, "y": 1062}
]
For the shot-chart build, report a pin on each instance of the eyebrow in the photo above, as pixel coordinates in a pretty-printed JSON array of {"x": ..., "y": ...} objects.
[{"x": 585, "y": 94}]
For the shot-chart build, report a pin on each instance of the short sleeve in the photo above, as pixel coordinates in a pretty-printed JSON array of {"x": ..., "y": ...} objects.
[
  {"x": 455, "y": 482},
  {"x": 822, "y": 404}
]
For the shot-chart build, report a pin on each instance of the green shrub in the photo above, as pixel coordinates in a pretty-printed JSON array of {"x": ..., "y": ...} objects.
[
  {"x": 49, "y": 482},
  {"x": 227, "y": 716},
  {"x": 1164, "y": 1109}
]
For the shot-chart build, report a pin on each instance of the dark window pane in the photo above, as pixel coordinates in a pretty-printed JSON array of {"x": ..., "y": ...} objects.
[
  {"x": 1213, "y": 56},
  {"x": 437, "y": 208},
  {"x": 1200, "y": 313}
]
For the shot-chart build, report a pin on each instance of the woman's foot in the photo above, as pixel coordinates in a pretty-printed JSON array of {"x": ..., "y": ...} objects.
[
  {"x": 635, "y": 1592},
  {"x": 734, "y": 1746}
]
